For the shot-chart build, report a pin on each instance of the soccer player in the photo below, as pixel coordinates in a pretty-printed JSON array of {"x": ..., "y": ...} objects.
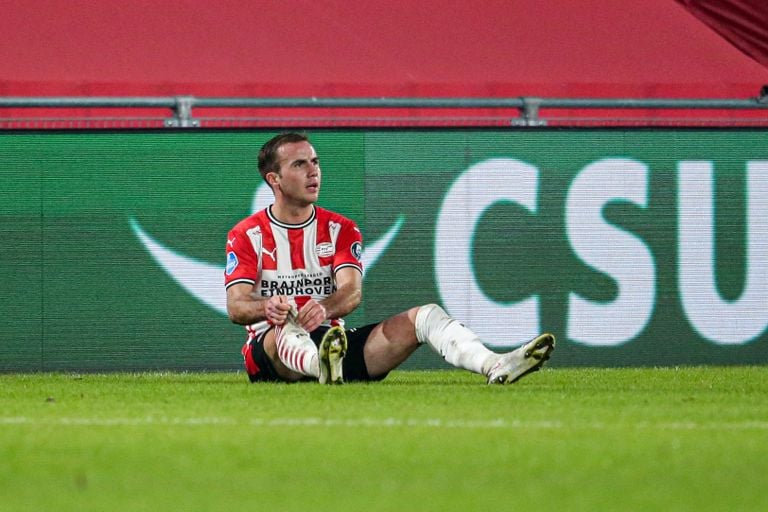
[{"x": 293, "y": 272}]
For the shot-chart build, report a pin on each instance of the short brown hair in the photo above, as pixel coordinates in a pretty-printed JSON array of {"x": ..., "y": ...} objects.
[{"x": 268, "y": 161}]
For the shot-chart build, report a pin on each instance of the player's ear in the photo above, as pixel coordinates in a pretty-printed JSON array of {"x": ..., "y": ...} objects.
[{"x": 273, "y": 178}]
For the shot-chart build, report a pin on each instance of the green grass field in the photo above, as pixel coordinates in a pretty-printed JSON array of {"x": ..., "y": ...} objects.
[{"x": 561, "y": 439}]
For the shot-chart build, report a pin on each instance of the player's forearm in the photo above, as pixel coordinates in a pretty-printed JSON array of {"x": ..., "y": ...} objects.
[
  {"x": 246, "y": 310},
  {"x": 342, "y": 302}
]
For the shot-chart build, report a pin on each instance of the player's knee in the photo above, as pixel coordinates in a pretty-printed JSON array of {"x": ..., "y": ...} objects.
[{"x": 427, "y": 317}]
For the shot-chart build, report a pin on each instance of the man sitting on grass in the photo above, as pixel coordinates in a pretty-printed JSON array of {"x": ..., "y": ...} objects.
[{"x": 293, "y": 272}]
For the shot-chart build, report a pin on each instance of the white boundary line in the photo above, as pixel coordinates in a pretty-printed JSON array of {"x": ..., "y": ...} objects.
[{"x": 9, "y": 421}]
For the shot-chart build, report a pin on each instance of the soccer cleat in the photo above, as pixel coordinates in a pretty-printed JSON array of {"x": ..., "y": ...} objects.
[
  {"x": 515, "y": 365},
  {"x": 333, "y": 348}
]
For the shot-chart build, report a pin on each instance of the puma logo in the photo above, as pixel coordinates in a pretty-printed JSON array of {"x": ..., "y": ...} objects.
[{"x": 271, "y": 253}]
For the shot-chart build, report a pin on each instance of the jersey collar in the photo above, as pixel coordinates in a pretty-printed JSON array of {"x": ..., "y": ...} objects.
[{"x": 285, "y": 225}]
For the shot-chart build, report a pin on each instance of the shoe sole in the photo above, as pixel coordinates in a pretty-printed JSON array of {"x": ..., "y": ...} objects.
[
  {"x": 333, "y": 348},
  {"x": 544, "y": 341}
]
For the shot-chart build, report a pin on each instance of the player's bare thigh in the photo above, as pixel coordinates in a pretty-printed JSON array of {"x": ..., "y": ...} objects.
[{"x": 391, "y": 343}]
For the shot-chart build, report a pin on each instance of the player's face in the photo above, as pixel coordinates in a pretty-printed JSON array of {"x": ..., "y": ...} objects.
[{"x": 299, "y": 178}]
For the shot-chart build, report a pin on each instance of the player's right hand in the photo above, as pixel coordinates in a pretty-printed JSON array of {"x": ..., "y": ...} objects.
[{"x": 276, "y": 309}]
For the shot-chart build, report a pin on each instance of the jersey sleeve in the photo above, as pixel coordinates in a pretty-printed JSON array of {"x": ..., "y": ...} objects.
[
  {"x": 242, "y": 264},
  {"x": 349, "y": 247}
]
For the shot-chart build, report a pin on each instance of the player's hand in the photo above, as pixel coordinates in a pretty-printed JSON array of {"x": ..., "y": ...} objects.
[
  {"x": 276, "y": 309},
  {"x": 311, "y": 315}
]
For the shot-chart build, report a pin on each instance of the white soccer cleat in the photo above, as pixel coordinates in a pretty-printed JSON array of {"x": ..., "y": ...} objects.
[
  {"x": 333, "y": 348},
  {"x": 515, "y": 365}
]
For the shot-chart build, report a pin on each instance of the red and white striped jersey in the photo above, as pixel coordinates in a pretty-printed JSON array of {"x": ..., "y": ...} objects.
[{"x": 296, "y": 260}]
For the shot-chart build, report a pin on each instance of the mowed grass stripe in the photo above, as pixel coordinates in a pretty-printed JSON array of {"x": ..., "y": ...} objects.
[{"x": 312, "y": 422}]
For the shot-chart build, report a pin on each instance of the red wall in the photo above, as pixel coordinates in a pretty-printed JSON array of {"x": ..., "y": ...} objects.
[{"x": 335, "y": 48}]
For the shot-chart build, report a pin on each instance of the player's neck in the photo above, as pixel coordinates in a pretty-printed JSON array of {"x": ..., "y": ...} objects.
[{"x": 291, "y": 214}]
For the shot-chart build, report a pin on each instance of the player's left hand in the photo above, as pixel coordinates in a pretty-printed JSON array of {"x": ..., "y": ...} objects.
[{"x": 311, "y": 315}]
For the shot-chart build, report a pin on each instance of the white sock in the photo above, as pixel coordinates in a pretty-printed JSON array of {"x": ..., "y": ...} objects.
[
  {"x": 296, "y": 349},
  {"x": 458, "y": 345}
]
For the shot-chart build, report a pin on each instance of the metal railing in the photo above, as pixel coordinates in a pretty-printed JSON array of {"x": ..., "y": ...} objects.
[{"x": 182, "y": 109}]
